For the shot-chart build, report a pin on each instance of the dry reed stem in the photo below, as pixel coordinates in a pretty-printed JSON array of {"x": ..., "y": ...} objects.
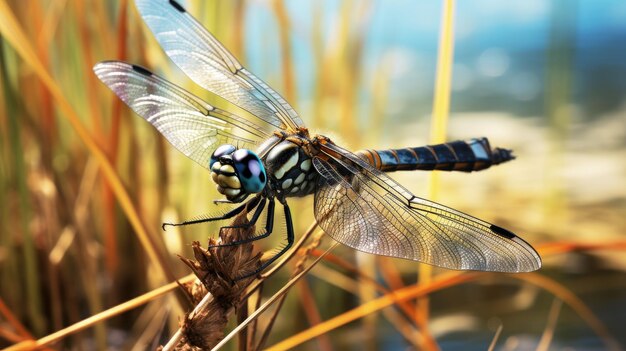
[
  {"x": 218, "y": 269},
  {"x": 575, "y": 303},
  {"x": 282, "y": 18},
  {"x": 205, "y": 324},
  {"x": 271, "y": 300},
  {"x": 304, "y": 255},
  {"x": 548, "y": 332},
  {"x": 492, "y": 345}
]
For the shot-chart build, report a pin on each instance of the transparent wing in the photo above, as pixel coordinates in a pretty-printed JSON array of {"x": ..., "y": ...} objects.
[
  {"x": 210, "y": 65},
  {"x": 190, "y": 124},
  {"x": 363, "y": 208}
]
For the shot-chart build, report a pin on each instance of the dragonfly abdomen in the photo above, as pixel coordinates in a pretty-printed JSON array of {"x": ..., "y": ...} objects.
[{"x": 462, "y": 155}]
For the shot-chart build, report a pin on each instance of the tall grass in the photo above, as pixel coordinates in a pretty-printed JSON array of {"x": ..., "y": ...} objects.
[{"x": 85, "y": 186}]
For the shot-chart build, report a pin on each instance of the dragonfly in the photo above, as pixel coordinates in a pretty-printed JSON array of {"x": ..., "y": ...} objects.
[{"x": 355, "y": 201}]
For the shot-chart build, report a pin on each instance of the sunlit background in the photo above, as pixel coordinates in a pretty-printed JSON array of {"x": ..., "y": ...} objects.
[{"x": 545, "y": 78}]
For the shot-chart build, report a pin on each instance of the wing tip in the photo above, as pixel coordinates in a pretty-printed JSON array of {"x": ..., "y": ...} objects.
[{"x": 535, "y": 259}]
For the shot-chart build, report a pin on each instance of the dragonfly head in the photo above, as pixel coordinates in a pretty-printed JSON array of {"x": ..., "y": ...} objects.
[{"x": 237, "y": 172}]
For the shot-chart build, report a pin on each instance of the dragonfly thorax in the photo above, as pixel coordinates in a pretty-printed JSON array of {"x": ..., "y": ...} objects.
[
  {"x": 237, "y": 172},
  {"x": 290, "y": 169}
]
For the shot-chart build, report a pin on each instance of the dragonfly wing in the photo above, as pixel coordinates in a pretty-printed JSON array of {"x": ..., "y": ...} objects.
[
  {"x": 363, "y": 208},
  {"x": 207, "y": 62},
  {"x": 190, "y": 124}
]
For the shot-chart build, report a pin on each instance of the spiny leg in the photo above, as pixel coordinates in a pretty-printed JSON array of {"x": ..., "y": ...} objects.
[
  {"x": 252, "y": 221},
  {"x": 290, "y": 240},
  {"x": 269, "y": 225},
  {"x": 232, "y": 213}
]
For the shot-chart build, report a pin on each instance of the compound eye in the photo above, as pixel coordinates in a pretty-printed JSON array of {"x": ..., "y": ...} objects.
[
  {"x": 222, "y": 150},
  {"x": 250, "y": 170}
]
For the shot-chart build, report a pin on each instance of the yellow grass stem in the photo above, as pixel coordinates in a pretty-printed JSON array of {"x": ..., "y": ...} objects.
[
  {"x": 346, "y": 81},
  {"x": 443, "y": 80},
  {"x": 13, "y": 33},
  {"x": 558, "y": 96},
  {"x": 237, "y": 47},
  {"x": 439, "y": 123}
]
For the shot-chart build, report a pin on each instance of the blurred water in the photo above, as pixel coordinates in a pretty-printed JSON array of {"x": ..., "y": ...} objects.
[
  {"x": 500, "y": 51},
  {"x": 467, "y": 317}
]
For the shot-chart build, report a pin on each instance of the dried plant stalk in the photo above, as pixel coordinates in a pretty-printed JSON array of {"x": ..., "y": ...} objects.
[
  {"x": 299, "y": 268},
  {"x": 217, "y": 290}
]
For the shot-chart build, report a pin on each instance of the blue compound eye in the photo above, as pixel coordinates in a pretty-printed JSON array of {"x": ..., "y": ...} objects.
[
  {"x": 250, "y": 170},
  {"x": 222, "y": 150}
]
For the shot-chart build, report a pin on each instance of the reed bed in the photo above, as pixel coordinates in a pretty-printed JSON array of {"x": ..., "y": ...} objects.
[{"x": 86, "y": 185}]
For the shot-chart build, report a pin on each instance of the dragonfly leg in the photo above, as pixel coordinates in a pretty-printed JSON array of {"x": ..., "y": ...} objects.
[
  {"x": 269, "y": 225},
  {"x": 232, "y": 213},
  {"x": 290, "y": 240},
  {"x": 252, "y": 221}
]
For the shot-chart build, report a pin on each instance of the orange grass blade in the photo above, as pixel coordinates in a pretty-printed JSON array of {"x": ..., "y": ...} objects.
[
  {"x": 13, "y": 321},
  {"x": 110, "y": 232},
  {"x": 555, "y": 248},
  {"x": 405, "y": 306},
  {"x": 439, "y": 283},
  {"x": 285, "y": 50},
  {"x": 312, "y": 313},
  {"x": 104, "y": 315},
  {"x": 12, "y": 31},
  {"x": 402, "y": 320},
  {"x": 387, "y": 300}
]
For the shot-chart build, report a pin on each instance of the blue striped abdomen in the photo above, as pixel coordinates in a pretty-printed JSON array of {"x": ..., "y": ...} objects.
[{"x": 462, "y": 155}]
